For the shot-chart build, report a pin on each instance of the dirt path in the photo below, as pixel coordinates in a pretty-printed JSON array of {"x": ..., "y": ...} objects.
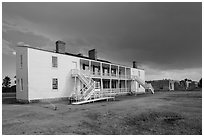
[{"x": 126, "y": 115}]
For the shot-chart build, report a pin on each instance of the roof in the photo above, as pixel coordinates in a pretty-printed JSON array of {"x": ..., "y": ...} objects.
[
  {"x": 161, "y": 80},
  {"x": 70, "y": 54},
  {"x": 74, "y": 55}
]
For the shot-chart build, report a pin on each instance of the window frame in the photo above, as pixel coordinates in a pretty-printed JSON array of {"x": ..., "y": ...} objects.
[
  {"x": 55, "y": 84},
  {"x": 54, "y": 64},
  {"x": 21, "y": 84},
  {"x": 21, "y": 61}
]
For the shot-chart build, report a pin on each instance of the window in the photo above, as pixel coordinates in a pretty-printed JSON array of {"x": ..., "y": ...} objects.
[
  {"x": 97, "y": 85},
  {"x": 21, "y": 84},
  {"x": 54, "y": 83},
  {"x": 138, "y": 85},
  {"x": 83, "y": 66},
  {"x": 21, "y": 61},
  {"x": 54, "y": 61}
]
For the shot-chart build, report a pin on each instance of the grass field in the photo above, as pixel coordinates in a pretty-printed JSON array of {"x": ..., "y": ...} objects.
[{"x": 177, "y": 112}]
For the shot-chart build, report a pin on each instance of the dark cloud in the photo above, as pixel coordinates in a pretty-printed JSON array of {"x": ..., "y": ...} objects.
[
  {"x": 29, "y": 38},
  {"x": 162, "y": 35}
]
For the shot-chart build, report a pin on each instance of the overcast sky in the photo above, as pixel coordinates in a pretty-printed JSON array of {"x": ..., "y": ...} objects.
[{"x": 165, "y": 38}]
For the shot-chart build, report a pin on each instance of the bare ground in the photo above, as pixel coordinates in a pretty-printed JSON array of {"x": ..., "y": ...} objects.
[{"x": 175, "y": 112}]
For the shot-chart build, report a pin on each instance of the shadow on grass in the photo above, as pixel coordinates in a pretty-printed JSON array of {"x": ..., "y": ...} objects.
[
  {"x": 166, "y": 123},
  {"x": 9, "y": 101}
]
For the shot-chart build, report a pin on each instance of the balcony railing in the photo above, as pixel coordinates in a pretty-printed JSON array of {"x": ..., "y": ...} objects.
[
  {"x": 85, "y": 72},
  {"x": 95, "y": 74},
  {"x": 106, "y": 75},
  {"x": 113, "y": 75},
  {"x": 110, "y": 92},
  {"x": 116, "y": 90},
  {"x": 128, "y": 76}
]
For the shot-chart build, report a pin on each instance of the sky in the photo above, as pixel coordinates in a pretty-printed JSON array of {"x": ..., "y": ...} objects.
[{"x": 164, "y": 38}]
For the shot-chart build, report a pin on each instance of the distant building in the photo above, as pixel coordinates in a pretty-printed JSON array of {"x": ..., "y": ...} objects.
[
  {"x": 162, "y": 85},
  {"x": 192, "y": 85},
  {"x": 180, "y": 85},
  {"x": 186, "y": 84}
]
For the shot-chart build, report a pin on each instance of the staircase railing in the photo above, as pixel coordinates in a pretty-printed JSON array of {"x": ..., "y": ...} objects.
[
  {"x": 83, "y": 79},
  {"x": 91, "y": 91},
  {"x": 143, "y": 83},
  {"x": 76, "y": 72},
  {"x": 87, "y": 91},
  {"x": 149, "y": 85},
  {"x": 140, "y": 81}
]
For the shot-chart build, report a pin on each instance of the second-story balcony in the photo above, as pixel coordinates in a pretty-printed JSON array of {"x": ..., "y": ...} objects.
[
  {"x": 86, "y": 72},
  {"x": 95, "y": 74},
  {"x": 105, "y": 75},
  {"x": 114, "y": 75}
]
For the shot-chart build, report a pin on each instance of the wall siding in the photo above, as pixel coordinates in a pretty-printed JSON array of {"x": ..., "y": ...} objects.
[
  {"x": 21, "y": 73},
  {"x": 41, "y": 73}
]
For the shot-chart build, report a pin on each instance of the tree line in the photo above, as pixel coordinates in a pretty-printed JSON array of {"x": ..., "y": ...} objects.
[{"x": 6, "y": 84}]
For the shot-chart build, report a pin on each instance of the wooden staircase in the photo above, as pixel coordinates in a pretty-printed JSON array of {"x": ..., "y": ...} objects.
[
  {"x": 88, "y": 93},
  {"x": 143, "y": 83}
]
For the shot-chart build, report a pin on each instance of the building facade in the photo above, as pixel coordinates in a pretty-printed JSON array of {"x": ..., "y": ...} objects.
[
  {"x": 162, "y": 85},
  {"x": 186, "y": 84},
  {"x": 43, "y": 74}
]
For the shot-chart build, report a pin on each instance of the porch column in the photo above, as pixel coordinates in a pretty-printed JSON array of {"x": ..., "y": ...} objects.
[
  {"x": 118, "y": 85},
  {"x": 101, "y": 69},
  {"x": 125, "y": 73},
  {"x": 90, "y": 67},
  {"x": 101, "y": 87},
  {"x": 118, "y": 79},
  {"x": 80, "y": 65},
  {"x": 110, "y": 79},
  {"x": 110, "y": 84},
  {"x": 125, "y": 80},
  {"x": 110, "y": 70},
  {"x": 125, "y": 85}
]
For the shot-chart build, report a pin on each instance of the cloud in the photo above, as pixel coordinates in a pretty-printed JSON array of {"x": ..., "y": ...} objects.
[
  {"x": 28, "y": 38},
  {"x": 22, "y": 25},
  {"x": 163, "y": 37},
  {"x": 23, "y": 44},
  {"x": 6, "y": 49},
  {"x": 176, "y": 74}
]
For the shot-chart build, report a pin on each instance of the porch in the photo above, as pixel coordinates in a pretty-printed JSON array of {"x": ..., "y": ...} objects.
[{"x": 104, "y": 70}]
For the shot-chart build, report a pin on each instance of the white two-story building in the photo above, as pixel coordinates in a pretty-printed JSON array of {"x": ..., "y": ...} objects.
[{"x": 43, "y": 74}]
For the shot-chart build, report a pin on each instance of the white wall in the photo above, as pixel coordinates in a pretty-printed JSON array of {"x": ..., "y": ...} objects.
[
  {"x": 37, "y": 74},
  {"x": 134, "y": 84},
  {"x": 41, "y": 72},
  {"x": 21, "y": 73}
]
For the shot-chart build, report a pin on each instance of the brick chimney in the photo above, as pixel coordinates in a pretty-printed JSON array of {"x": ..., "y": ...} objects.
[
  {"x": 93, "y": 54},
  {"x": 134, "y": 64},
  {"x": 60, "y": 46},
  {"x": 80, "y": 54}
]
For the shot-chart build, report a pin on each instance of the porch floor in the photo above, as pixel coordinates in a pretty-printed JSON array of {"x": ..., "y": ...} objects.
[{"x": 91, "y": 100}]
